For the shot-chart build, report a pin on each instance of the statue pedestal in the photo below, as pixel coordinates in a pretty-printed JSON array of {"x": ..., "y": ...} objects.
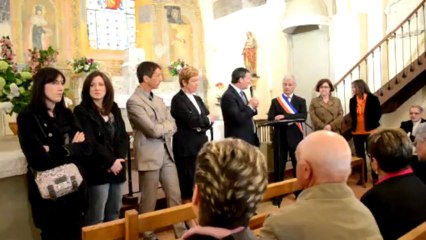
[{"x": 76, "y": 86}]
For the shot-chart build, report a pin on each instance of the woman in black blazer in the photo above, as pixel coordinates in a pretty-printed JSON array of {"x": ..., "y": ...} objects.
[
  {"x": 192, "y": 120},
  {"x": 365, "y": 112},
  {"x": 101, "y": 120},
  {"x": 50, "y": 136},
  {"x": 398, "y": 200}
]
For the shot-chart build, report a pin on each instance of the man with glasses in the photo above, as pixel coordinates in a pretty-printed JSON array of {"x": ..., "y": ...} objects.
[
  {"x": 419, "y": 166},
  {"x": 411, "y": 125}
]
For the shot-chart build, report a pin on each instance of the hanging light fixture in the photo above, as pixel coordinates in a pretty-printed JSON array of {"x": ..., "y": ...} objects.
[{"x": 304, "y": 15}]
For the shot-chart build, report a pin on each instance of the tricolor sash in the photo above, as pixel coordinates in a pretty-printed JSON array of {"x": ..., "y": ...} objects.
[{"x": 290, "y": 109}]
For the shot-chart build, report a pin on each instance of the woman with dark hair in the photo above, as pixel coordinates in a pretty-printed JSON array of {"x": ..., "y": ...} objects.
[
  {"x": 104, "y": 127},
  {"x": 365, "y": 112},
  {"x": 50, "y": 136},
  {"x": 398, "y": 200},
  {"x": 325, "y": 110}
]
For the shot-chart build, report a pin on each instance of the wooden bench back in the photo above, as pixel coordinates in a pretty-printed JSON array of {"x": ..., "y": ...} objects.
[
  {"x": 125, "y": 228},
  {"x": 418, "y": 233}
]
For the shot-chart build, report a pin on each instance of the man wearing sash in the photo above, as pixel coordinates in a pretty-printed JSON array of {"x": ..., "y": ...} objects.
[{"x": 287, "y": 106}]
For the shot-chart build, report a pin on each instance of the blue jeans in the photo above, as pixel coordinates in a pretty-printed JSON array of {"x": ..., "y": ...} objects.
[{"x": 104, "y": 202}]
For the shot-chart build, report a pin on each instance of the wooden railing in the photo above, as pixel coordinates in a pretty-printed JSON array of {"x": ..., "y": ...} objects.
[
  {"x": 388, "y": 59},
  {"x": 133, "y": 224}
]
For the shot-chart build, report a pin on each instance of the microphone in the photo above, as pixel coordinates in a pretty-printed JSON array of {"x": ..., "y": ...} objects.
[{"x": 251, "y": 91}]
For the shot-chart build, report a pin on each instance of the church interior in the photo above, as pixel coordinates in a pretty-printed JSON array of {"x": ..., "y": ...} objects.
[{"x": 382, "y": 42}]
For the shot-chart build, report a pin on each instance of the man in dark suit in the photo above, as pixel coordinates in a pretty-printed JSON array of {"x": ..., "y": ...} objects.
[
  {"x": 237, "y": 110},
  {"x": 287, "y": 106},
  {"x": 411, "y": 125}
]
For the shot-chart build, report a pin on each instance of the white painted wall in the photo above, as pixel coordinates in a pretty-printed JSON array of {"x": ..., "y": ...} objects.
[{"x": 224, "y": 42}]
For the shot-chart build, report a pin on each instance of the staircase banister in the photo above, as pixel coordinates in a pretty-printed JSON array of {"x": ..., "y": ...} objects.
[{"x": 386, "y": 38}]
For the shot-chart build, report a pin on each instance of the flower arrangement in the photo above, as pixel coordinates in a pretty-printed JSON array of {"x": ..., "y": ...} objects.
[
  {"x": 15, "y": 88},
  {"x": 41, "y": 58},
  {"x": 84, "y": 64},
  {"x": 7, "y": 51},
  {"x": 176, "y": 66},
  {"x": 220, "y": 88}
]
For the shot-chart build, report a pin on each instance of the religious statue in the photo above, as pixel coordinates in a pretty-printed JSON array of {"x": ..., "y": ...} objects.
[
  {"x": 250, "y": 54},
  {"x": 38, "y": 29}
]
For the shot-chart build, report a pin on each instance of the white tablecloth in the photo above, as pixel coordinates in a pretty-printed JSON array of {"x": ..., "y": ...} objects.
[{"x": 12, "y": 160}]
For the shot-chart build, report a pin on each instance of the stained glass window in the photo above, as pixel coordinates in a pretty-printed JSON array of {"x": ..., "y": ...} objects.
[{"x": 111, "y": 24}]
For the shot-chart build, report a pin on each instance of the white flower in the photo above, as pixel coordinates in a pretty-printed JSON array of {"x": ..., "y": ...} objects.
[
  {"x": 6, "y": 106},
  {"x": 86, "y": 67},
  {"x": 178, "y": 67},
  {"x": 68, "y": 101},
  {"x": 14, "y": 90}
]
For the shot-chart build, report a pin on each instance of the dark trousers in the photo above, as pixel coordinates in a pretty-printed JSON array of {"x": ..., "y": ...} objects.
[
  {"x": 360, "y": 142},
  {"x": 281, "y": 154}
]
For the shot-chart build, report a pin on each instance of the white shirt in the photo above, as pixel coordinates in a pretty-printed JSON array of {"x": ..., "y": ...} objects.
[
  {"x": 415, "y": 125},
  {"x": 194, "y": 102}
]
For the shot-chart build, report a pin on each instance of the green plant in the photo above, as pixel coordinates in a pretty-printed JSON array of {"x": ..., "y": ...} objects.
[
  {"x": 15, "y": 88},
  {"x": 84, "y": 64},
  {"x": 41, "y": 58}
]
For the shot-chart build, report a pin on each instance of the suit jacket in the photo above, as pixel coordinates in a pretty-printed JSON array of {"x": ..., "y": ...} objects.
[
  {"x": 191, "y": 126},
  {"x": 407, "y": 126},
  {"x": 153, "y": 128},
  {"x": 372, "y": 112},
  {"x": 238, "y": 117},
  {"x": 105, "y": 149},
  {"x": 291, "y": 133},
  {"x": 323, "y": 113},
  {"x": 326, "y": 211},
  {"x": 398, "y": 204}
]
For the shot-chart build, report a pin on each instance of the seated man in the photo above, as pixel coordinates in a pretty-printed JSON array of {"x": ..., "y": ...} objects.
[
  {"x": 419, "y": 167},
  {"x": 411, "y": 125},
  {"x": 230, "y": 179},
  {"x": 327, "y": 208},
  {"x": 398, "y": 200}
]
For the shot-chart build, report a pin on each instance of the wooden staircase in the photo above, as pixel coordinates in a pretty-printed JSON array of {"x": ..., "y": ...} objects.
[{"x": 394, "y": 69}]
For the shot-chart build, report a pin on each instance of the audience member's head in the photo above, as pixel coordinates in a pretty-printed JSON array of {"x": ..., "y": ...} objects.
[
  {"x": 188, "y": 76},
  {"x": 415, "y": 113},
  {"x": 230, "y": 179},
  {"x": 390, "y": 150},
  {"x": 323, "y": 157},
  {"x": 421, "y": 141}
]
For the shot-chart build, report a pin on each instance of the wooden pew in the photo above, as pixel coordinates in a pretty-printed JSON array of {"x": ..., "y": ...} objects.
[
  {"x": 418, "y": 233},
  {"x": 125, "y": 228}
]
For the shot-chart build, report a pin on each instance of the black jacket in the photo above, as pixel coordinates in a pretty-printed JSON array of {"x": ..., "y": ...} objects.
[
  {"x": 191, "y": 126},
  {"x": 407, "y": 126},
  {"x": 105, "y": 149},
  {"x": 398, "y": 205},
  {"x": 291, "y": 133},
  {"x": 238, "y": 117},
  {"x": 372, "y": 112},
  {"x": 35, "y": 131}
]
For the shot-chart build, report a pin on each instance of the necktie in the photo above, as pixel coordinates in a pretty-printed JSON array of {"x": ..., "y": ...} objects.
[{"x": 243, "y": 96}]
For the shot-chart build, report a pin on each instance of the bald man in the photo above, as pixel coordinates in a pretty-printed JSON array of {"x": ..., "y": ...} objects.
[{"x": 327, "y": 208}]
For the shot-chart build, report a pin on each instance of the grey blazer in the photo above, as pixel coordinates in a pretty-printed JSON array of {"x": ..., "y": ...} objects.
[{"x": 153, "y": 128}]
